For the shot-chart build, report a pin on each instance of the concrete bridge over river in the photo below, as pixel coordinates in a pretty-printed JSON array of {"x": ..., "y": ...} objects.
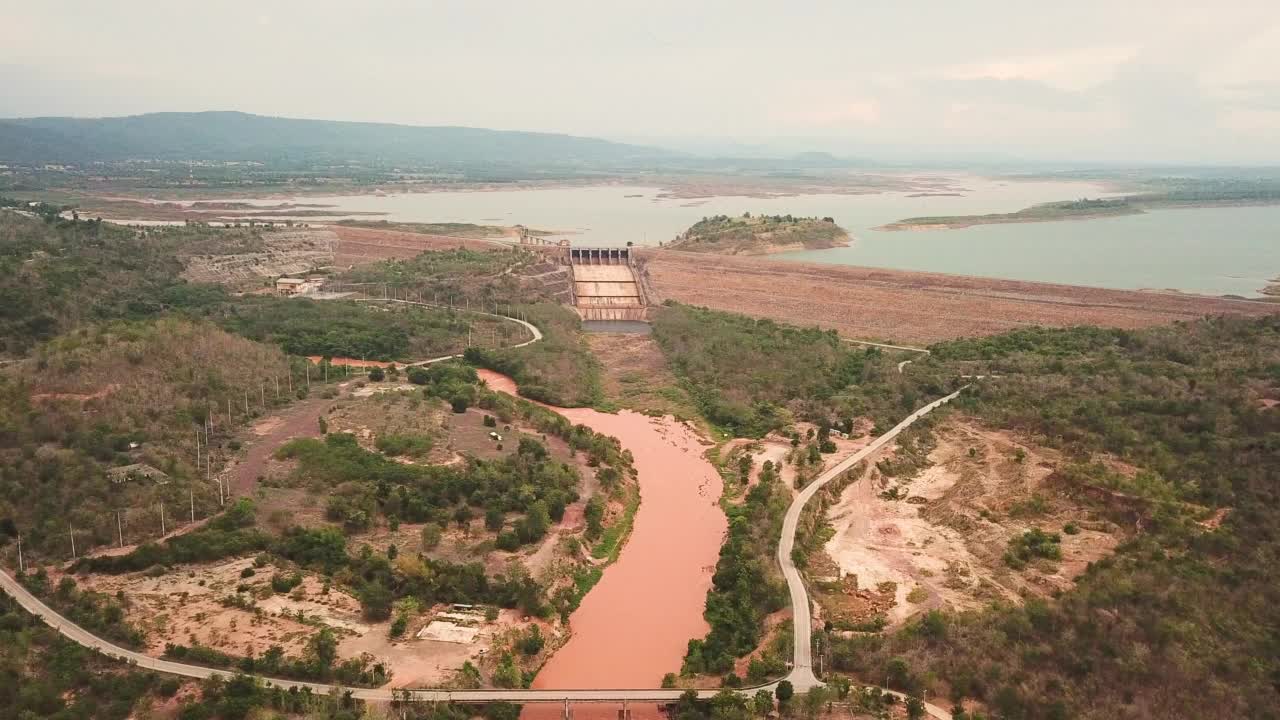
[{"x": 801, "y": 676}]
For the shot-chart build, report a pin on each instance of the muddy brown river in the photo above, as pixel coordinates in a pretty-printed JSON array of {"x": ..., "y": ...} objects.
[{"x": 635, "y": 625}]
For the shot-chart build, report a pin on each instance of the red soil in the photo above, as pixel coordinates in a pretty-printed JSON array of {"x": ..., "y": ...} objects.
[
  {"x": 916, "y": 307},
  {"x": 358, "y": 245}
]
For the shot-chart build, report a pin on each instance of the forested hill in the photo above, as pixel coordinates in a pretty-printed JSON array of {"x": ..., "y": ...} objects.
[{"x": 236, "y": 136}]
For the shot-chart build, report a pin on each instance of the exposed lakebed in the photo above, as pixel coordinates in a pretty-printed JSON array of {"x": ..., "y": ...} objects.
[{"x": 1213, "y": 251}]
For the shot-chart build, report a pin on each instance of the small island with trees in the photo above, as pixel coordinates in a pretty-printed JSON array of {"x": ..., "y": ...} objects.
[
  {"x": 1083, "y": 209},
  {"x": 760, "y": 235}
]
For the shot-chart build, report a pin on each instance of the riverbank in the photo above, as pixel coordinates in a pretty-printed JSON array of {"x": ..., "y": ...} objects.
[{"x": 634, "y": 626}]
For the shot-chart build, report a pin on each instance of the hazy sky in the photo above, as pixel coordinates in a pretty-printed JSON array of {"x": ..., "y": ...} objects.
[{"x": 1113, "y": 80}]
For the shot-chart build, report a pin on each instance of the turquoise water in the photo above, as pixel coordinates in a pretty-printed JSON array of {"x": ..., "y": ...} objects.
[{"x": 1205, "y": 250}]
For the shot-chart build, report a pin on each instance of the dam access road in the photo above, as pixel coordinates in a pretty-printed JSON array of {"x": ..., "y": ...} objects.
[{"x": 801, "y": 676}]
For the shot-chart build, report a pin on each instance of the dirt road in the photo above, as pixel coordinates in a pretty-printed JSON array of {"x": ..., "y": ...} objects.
[{"x": 302, "y": 419}]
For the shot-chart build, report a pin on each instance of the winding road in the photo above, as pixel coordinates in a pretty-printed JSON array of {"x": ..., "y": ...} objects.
[{"x": 801, "y": 676}]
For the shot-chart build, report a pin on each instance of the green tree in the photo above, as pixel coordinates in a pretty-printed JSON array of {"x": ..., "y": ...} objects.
[
  {"x": 323, "y": 650},
  {"x": 507, "y": 675},
  {"x": 785, "y": 691},
  {"x": 842, "y": 686},
  {"x": 762, "y": 702},
  {"x": 532, "y": 642},
  {"x": 431, "y": 535},
  {"x": 814, "y": 700},
  {"x": 594, "y": 513},
  {"x": 493, "y": 519}
]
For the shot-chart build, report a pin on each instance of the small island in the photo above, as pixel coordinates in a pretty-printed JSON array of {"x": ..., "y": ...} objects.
[
  {"x": 1084, "y": 209},
  {"x": 760, "y": 235},
  {"x": 1156, "y": 194}
]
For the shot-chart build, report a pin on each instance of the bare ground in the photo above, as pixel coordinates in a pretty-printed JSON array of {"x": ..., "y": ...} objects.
[
  {"x": 943, "y": 545},
  {"x": 284, "y": 252},
  {"x": 186, "y": 607},
  {"x": 361, "y": 245},
  {"x": 909, "y": 306}
]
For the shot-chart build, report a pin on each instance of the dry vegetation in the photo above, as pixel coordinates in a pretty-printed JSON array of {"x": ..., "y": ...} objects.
[
  {"x": 118, "y": 395},
  {"x": 263, "y": 256},
  {"x": 634, "y": 375},
  {"x": 902, "y": 544}
]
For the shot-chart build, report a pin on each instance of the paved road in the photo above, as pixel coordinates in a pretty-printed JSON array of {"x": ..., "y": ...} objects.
[
  {"x": 79, "y": 635},
  {"x": 534, "y": 333},
  {"x": 801, "y": 676},
  {"x": 886, "y": 345}
]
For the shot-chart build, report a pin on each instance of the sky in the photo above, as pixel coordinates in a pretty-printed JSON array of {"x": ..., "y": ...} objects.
[{"x": 1176, "y": 81}]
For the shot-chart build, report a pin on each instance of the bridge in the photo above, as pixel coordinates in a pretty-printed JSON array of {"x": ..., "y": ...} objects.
[{"x": 801, "y": 676}]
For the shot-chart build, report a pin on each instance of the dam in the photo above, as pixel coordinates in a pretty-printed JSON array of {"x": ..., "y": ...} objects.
[{"x": 605, "y": 284}]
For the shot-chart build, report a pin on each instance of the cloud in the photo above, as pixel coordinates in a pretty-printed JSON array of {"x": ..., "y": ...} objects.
[{"x": 1075, "y": 69}]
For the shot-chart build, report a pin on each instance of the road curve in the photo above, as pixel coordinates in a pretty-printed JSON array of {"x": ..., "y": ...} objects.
[
  {"x": 77, "y": 634},
  {"x": 535, "y": 333},
  {"x": 802, "y": 676}
]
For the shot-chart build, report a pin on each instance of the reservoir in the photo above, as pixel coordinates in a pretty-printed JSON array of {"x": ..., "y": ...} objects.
[{"x": 1215, "y": 251}]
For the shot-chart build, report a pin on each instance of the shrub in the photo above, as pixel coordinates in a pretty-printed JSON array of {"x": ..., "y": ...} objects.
[
  {"x": 431, "y": 534},
  {"x": 1032, "y": 544},
  {"x": 284, "y": 583}
]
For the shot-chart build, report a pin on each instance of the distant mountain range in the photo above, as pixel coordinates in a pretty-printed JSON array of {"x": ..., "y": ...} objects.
[{"x": 237, "y": 136}]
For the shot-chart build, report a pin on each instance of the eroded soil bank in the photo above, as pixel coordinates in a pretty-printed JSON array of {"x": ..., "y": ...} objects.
[{"x": 635, "y": 625}]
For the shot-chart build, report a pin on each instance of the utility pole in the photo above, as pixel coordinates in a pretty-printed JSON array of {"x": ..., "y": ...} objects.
[
  {"x": 72, "y": 532},
  {"x": 308, "y": 376},
  {"x": 209, "y": 476},
  {"x": 162, "y": 532},
  {"x": 246, "y": 401},
  {"x": 119, "y": 530},
  {"x": 192, "y": 495},
  {"x": 228, "y": 409},
  {"x": 262, "y": 394},
  {"x": 22, "y": 567},
  {"x": 197, "y": 449},
  {"x": 276, "y": 379}
]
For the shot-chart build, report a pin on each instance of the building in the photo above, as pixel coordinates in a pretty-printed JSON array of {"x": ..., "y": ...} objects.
[
  {"x": 297, "y": 286},
  {"x": 137, "y": 471}
]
